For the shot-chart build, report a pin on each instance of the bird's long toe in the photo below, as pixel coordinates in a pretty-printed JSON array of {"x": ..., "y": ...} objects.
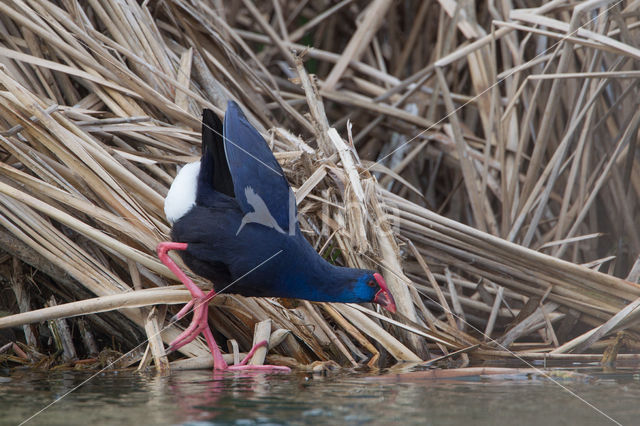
[
  {"x": 184, "y": 311},
  {"x": 253, "y": 350},
  {"x": 187, "y": 336},
  {"x": 243, "y": 366},
  {"x": 265, "y": 368},
  {"x": 198, "y": 324}
]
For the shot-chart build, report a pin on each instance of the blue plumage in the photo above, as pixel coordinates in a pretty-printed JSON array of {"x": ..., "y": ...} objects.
[
  {"x": 255, "y": 170},
  {"x": 243, "y": 225}
]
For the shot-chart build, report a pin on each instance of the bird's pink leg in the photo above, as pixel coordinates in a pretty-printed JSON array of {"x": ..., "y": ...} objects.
[
  {"x": 199, "y": 324},
  {"x": 192, "y": 331},
  {"x": 200, "y": 307},
  {"x": 187, "y": 308},
  {"x": 252, "y": 351}
]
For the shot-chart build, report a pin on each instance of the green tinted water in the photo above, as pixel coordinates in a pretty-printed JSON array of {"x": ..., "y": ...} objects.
[{"x": 199, "y": 398}]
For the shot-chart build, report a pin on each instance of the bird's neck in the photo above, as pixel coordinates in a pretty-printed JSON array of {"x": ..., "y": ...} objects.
[{"x": 318, "y": 280}]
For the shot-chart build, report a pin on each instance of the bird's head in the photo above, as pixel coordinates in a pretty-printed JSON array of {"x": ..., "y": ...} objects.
[{"x": 375, "y": 288}]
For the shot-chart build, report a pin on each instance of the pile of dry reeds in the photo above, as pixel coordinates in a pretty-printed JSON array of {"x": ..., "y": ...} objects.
[{"x": 485, "y": 160}]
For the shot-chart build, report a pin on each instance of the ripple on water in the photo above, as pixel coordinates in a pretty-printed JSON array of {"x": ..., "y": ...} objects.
[{"x": 197, "y": 398}]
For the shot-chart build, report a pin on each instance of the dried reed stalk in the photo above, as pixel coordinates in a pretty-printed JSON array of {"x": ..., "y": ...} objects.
[{"x": 493, "y": 175}]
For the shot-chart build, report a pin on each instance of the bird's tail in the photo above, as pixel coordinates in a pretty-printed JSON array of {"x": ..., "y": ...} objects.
[{"x": 214, "y": 170}]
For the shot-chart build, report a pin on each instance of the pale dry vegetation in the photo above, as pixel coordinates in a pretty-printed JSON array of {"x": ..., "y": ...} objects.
[{"x": 485, "y": 159}]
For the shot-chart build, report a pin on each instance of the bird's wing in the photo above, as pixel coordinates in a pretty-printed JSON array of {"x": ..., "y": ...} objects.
[{"x": 252, "y": 164}]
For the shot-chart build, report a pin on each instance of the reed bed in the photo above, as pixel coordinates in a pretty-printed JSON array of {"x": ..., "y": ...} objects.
[{"x": 484, "y": 159}]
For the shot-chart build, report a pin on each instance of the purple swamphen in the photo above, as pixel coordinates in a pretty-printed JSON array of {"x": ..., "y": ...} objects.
[{"x": 234, "y": 223}]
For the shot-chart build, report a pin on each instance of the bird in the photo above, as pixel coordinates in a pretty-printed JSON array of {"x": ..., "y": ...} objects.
[{"x": 234, "y": 222}]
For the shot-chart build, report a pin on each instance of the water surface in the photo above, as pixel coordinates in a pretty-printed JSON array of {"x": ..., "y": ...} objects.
[{"x": 200, "y": 398}]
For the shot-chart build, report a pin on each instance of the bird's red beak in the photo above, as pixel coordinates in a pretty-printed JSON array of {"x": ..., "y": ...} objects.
[{"x": 383, "y": 297}]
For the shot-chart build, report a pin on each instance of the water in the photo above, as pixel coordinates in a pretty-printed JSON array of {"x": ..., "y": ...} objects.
[{"x": 199, "y": 398}]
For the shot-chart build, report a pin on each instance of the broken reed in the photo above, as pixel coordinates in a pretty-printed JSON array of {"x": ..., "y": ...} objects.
[{"x": 495, "y": 182}]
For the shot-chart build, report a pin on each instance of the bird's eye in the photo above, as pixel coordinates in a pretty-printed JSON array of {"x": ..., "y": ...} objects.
[{"x": 371, "y": 283}]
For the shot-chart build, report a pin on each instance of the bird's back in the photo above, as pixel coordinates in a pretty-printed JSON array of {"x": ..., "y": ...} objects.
[{"x": 257, "y": 259}]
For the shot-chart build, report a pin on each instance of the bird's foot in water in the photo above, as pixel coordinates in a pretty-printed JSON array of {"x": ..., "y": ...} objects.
[
  {"x": 221, "y": 365},
  {"x": 199, "y": 324}
]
